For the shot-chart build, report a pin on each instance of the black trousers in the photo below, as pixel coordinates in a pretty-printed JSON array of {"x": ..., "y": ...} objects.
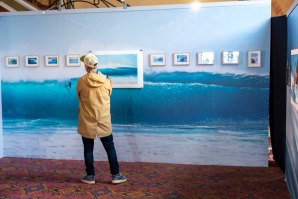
[{"x": 108, "y": 145}]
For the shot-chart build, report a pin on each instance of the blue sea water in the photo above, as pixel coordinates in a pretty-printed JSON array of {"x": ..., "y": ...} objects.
[
  {"x": 120, "y": 72},
  {"x": 166, "y": 99}
]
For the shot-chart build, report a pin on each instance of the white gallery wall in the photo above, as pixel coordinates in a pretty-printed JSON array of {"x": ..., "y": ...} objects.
[{"x": 192, "y": 114}]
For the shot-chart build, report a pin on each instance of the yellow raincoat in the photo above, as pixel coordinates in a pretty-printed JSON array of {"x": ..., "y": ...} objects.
[{"x": 94, "y": 91}]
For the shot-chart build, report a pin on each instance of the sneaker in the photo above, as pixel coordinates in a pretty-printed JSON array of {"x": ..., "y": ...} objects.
[
  {"x": 118, "y": 178},
  {"x": 88, "y": 179}
]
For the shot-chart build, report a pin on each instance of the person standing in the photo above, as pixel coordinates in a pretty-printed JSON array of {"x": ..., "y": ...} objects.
[{"x": 94, "y": 90}]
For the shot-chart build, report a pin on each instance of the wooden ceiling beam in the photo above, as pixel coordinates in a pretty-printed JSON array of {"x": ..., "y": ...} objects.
[
  {"x": 280, "y": 7},
  {"x": 6, "y": 8},
  {"x": 15, "y": 5}
]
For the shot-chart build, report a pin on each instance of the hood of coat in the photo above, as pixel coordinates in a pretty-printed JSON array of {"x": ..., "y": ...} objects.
[{"x": 94, "y": 80}]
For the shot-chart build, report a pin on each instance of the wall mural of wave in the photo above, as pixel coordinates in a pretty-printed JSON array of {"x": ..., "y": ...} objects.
[
  {"x": 206, "y": 108},
  {"x": 174, "y": 98}
]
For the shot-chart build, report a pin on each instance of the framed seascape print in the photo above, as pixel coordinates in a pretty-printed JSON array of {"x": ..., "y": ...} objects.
[
  {"x": 230, "y": 57},
  {"x": 125, "y": 68},
  {"x": 181, "y": 59},
  {"x": 52, "y": 60},
  {"x": 73, "y": 60},
  {"x": 157, "y": 59},
  {"x": 254, "y": 59},
  {"x": 294, "y": 78},
  {"x": 31, "y": 61},
  {"x": 12, "y": 61},
  {"x": 205, "y": 58}
]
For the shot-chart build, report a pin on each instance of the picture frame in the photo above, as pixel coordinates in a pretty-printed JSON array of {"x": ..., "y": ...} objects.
[
  {"x": 157, "y": 59},
  {"x": 32, "y": 61},
  {"x": 230, "y": 57},
  {"x": 73, "y": 60},
  {"x": 124, "y": 68},
  {"x": 254, "y": 59},
  {"x": 205, "y": 58},
  {"x": 181, "y": 59},
  {"x": 12, "y": 61},
  {"x": 52, "y": 60}
]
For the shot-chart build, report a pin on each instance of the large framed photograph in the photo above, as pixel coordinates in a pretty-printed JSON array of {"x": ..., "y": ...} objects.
[
  {"x": 230, "y": 57},
  {"x": 254, "y": 59},
  {"x": 205, "y": 58},
  {"x": 125, "y": 68},
  {"x": 73, "y": 60},
  {"x": 12, "y": 61},
  {"x": 181, "y": 59},
  {"x": 31, "y": 60},
  {"x": 52, "y": 60},
  {"x": 157, "y": 59}
]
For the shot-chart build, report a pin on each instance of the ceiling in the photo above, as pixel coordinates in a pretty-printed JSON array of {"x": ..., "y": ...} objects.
[{"x": 279, "y": 7}]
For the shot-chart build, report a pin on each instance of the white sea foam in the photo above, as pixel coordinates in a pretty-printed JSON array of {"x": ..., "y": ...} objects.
[{"x": 180, "y": 84}]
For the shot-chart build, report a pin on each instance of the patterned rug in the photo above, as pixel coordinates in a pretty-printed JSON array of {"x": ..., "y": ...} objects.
[{"x": 44, "y": 178}]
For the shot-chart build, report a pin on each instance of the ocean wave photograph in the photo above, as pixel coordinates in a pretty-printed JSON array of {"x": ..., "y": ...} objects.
[{"x": 216, "y": 113}]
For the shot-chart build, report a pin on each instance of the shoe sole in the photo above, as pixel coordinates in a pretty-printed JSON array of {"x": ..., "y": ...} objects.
[
  {"x": 118, "y": 181},
  {"x": 88, "y": 182}
]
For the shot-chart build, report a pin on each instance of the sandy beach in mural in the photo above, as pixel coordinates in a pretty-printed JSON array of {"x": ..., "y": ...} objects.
[{"x": 206, "y": 147}]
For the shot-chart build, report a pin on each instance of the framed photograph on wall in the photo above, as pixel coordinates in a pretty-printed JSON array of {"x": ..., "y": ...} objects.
[
  {"x": 12, "y": 61},
  {"x": 230, "y": 57},
  {"x": 125, "y": 68},
  {"x": 181, "y": 59},
  {"x": 157, "y": 59},
  {"x": 31, "y": 60},
  {"x": 73, "y": 60},
  {"x": 52, "y": 60},
  {"x": 205, "y": 58},
  {"x": 254, "y": 59}
]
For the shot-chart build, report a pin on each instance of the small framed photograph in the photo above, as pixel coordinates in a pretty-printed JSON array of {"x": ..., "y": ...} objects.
[
  {"x": 230, "y": 57},
  {"x": 31, "y": 61},
  {"x": 52, "y": 60},
  {"x": 181, "y": 59},
  {"x": 157, "y": 59},
  {"x": 73, "y": 60},
  {"x": 12, "y": 61},
  {"x": 205, "y": 58},
  {"x": 254, "y": 59}
]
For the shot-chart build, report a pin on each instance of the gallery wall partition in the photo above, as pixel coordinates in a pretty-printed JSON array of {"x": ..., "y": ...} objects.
[
  {"x": 278, "y": 97},
  {"x": 196, "y": 93},
  {"x": 292, "y": 105}
]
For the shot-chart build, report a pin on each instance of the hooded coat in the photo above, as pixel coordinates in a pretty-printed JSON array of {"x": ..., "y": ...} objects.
[{"x": 94, "y": 91}]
